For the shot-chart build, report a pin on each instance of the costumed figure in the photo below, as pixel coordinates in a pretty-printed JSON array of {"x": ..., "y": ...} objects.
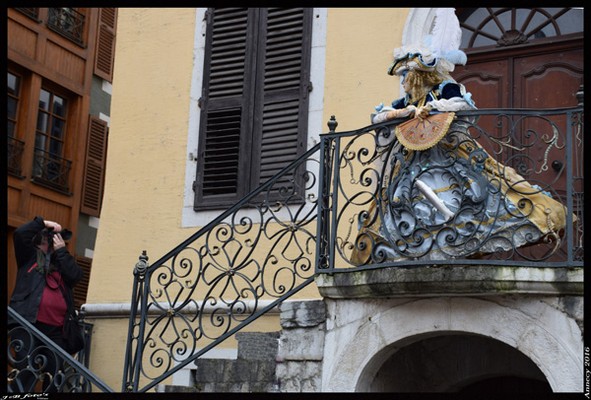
[{"x": 442, "y": 194}]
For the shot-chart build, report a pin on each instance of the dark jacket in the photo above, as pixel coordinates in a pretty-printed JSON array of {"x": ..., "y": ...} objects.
[{"x": 30, "y": 282}]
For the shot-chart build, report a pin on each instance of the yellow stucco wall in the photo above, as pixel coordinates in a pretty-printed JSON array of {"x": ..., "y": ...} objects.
[
  {"x": 147, "y": 146},
  {"x": 359, "y": 49},
  {"x": 147, "y": 152}
]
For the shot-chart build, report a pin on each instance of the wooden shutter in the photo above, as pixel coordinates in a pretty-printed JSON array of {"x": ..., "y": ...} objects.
[
  {"x": 285, "y": 84},
  {"x": 254, "y": 103},
  {"x": 94, "y": 167},
  {"x": 226, "y": 114},
  {"x": 105, "y": 43},
  {"x": 81, "y": 288}
]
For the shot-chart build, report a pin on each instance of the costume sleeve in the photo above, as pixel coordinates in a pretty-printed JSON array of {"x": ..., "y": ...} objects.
[
  {"x": 399, "y": 103},
  {"x": 23, "y": 240},
  {"x": 67, "y": 266}
]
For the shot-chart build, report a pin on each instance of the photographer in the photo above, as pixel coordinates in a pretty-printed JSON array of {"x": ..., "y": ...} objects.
[{"x": 46, "y": 272}]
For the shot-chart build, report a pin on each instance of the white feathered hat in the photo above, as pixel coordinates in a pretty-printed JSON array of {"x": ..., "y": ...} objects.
[{"x": 439, "y": 51}]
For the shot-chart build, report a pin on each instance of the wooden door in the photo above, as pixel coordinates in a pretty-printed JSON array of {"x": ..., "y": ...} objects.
[
  {"x": 530, "y": 59},
  {"x": 531, "y": 80}
]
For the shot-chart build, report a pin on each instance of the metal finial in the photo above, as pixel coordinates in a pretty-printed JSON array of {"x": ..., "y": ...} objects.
[
  {"x": 142, "y": 265},
  {"x": 332, "y": 124}
]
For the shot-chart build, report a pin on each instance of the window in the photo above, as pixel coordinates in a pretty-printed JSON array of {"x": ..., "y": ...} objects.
[
  {"x": 254, "y": 103},
  {"x": 49, "y": 166},
  {"x": 512, "y": 26},
  {"x": 15, "y": 146}
]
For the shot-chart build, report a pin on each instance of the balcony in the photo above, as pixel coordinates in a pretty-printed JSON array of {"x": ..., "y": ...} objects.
[
  {"x": 495, "y": 207},
  {"x": 67, "y": 22},
  {"x": 353, "y": 219},
  {"x": 51, "y": 171}
]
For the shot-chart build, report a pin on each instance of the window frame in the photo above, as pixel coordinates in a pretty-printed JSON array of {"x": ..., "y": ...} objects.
[
  {"x": 15, "y": 144},
  {"x": 44, "y": 158}
]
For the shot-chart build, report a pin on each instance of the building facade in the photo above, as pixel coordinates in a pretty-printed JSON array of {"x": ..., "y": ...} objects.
[
  {"x": 60, "y": 69},
  {"x": 209, "y": 103}
]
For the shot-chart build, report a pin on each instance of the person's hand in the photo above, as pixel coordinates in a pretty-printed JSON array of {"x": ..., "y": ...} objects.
[
  {"x": 409, "y": 111},
  {"x": 423, "y": 112},
  {"x": 393, "y": 114},
  {"x": 56, "y": 227},
  {"x": 58, "y": 241}
]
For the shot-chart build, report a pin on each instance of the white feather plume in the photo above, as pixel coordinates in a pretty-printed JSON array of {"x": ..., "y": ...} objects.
[{"x": 446, "y": 35}]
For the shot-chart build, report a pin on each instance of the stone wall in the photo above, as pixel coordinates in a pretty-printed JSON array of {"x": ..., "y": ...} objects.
[
  {"x": 252, "y": 371},
  {"x": 301, "y": 346}
]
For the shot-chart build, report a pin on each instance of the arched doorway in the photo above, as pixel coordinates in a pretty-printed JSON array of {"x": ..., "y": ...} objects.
[
  {"x": 458, "y": 362},
  {"x": 365, "y": 337}
]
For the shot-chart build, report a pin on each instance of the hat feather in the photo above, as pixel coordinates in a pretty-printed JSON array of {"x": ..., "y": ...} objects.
[{"x": 446, "y": 35}]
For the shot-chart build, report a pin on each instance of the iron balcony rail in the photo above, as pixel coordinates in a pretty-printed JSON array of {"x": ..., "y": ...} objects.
[
  {"x": 31, "y": 12},
  {"x": 259, "y": 253},
  {"x": 51, "y": 170},
  {"x": 383, "y": 205},
  {"x": 32, "y": 357},
  {"x": 67, "y": 22}
]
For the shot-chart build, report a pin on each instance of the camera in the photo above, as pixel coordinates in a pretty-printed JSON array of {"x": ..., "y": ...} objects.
[{"x": 48, "y": 233}]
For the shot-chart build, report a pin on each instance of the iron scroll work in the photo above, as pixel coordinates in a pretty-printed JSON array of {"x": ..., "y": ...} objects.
[
  {"x": 273, "y": 242},
  {"x": 496, "y": 166},
  {"x": 232, "y": 271}
]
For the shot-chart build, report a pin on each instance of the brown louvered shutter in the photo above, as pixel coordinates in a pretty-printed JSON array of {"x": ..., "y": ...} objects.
[
  {"x": 226, "y": 115},
  {"x": 81, "y": 288},
  {"x": 105, "y": 46},
  {"x": 285, "y": 85},
  {"x": 94, "y": 167},
  {"x": 254, "y": 102}
]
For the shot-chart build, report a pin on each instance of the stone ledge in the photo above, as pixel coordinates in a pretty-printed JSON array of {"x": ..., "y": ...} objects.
[{"x": 451, "y": 280}]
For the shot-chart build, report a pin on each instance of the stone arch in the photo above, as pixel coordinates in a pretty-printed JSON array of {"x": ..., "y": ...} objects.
[{"x": 545, "y": 335}]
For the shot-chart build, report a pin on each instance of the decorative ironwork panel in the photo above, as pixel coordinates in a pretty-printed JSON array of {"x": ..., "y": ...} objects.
[
  {"x": 51, "y": 171},
  {"x": 473, "y": 197},
  {"x": 68, "y": 22},
  {"x": 31, "y": 12},
  {"x": 37, "y": 364},
  {"x": 233, "y": 270}
]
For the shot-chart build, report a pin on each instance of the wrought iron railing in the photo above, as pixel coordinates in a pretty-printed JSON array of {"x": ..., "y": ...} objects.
[
  {"x": 36, "y": 364},
  {"x": 252, "y": 257},
  {"x": 31, "y": 12},
  {"x": 239, "y": 266},
  {"x": 15, "y": 156},
  {"x": 67, "y": 22},
  {"x": 52, "y": 171},
  {"x": 503, "y": 187}
]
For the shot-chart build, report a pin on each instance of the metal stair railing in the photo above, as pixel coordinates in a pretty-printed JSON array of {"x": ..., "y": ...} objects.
[
  {"x": 33, "y": 357},
  {"x": 232, "y": 271},
  {"x": 266, "y": 248}
]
